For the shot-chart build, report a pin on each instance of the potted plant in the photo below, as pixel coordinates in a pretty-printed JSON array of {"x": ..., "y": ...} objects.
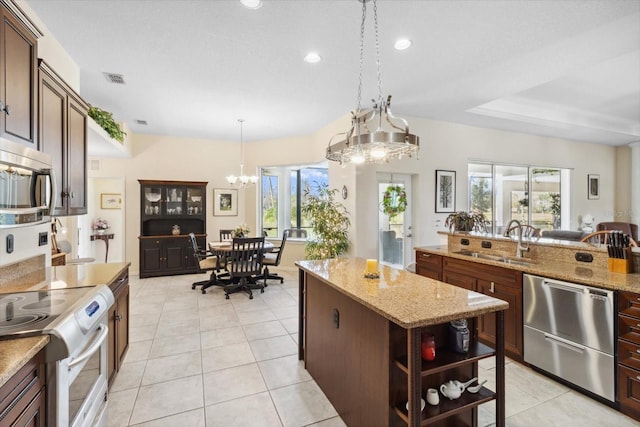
[
  {"x": 105, "y": 120},
  {"x": 329, "y": 222},
  {"x": 466, "y": 221}
]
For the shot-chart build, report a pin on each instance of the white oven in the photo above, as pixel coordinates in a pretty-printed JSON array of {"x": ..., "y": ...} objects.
[
  {"x": 77, "y": 362},
  {"x": 76, "y": 320},
  {"x": 81, "y": 382}
]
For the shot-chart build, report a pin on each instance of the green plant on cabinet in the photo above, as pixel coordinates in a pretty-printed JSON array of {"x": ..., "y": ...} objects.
[{"x": 105, "y": 120}]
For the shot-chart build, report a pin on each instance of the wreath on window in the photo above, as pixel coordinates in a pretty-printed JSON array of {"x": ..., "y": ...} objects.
[{"x": 394, "y": 200}]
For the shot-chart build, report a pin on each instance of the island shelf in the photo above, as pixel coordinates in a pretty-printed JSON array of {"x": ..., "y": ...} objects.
[{"x": 373, "y": 329}]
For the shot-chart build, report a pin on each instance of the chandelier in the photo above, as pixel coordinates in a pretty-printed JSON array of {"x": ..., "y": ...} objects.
[
  {"x": 359, "y": 144},
  {"x": 243, "y": 180}
]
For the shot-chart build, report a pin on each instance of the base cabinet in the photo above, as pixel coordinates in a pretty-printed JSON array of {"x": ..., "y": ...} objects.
[
  {"x": 168, "y": 255},
  {"x": 628, "y": 349},
  {"x": 429, "y": 265},
  {"x": 23, "y": 397},
  {"x": 502, "y": 283},
  {"x": 363, "y": 363},
  {"x": 118, "y": 325}
]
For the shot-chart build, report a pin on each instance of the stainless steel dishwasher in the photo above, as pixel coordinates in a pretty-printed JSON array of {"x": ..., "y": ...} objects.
[{"x": 568, "y": 332}]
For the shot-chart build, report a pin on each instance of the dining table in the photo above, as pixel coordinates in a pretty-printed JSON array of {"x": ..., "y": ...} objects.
[{"x": 221, "y": 249}]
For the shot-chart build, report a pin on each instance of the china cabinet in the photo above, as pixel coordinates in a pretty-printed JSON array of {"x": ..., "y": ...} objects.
[{"x": 169, "y": 211}]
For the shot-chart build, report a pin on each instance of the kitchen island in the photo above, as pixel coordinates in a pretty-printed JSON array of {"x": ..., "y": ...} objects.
[{"x": 361, "y": 341}]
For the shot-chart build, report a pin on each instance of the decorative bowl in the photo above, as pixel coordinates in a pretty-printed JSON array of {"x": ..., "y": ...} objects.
[
  {"x": 196, "y": 198},
  {"x": 152, "y": 197}
]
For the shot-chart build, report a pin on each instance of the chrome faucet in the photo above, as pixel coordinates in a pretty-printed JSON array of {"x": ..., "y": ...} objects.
[{"x": 519, "y": 247}]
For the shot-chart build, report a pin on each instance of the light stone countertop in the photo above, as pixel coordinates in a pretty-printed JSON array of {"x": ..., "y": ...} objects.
[
  {"x": 572, "y": 272},
  {"x": 14, "y": 354},
  {"x": 407, "y": 299}
]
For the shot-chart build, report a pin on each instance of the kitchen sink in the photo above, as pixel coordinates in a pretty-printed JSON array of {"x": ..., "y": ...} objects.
[{"x": 497, "y": 258}]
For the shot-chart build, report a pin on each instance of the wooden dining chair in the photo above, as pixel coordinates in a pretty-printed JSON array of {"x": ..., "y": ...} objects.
[
  {"x": 245, "y": 266},
  {"x": 527, "y": 231},
  {"x": 272, "y": 259},
  {"x": 226, "y": 235},
  {"x": 205, "y": 261},
  {"x": 602, "y": 238}
]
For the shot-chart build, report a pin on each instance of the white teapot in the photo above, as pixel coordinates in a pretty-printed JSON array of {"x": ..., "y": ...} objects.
[{"x": 452, "y": 389}]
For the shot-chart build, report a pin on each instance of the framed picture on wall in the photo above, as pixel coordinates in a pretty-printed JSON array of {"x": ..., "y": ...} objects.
[
  {"x": 110, "y": 201},
  {"x": 593, "y": 187},
  {"x": 445, "y": 191},
  {"x": 225, "y": 202}
]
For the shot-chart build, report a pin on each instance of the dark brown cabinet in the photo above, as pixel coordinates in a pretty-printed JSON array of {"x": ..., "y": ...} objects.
[
  {"x": 429, "y": 265},
  {"x": 118, "y": 325},
  {"x": 628, "y": 350},
  {"x": 169, "y": 211},
  {"x": 501, "y": 283},
  {"x": 62, "y": 128},
  {"x": 18, "y": 77},
  {"x": 23, "y": 397}
]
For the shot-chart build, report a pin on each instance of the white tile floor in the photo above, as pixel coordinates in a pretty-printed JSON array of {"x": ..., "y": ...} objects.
[{"x": 202, "y": 360}]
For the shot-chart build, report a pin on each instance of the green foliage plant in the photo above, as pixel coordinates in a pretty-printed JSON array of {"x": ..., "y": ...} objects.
[
  {"x": 329, "y": 222},
  {"x": 105, "y": 120},
  {"x": 466, "y": 221}
]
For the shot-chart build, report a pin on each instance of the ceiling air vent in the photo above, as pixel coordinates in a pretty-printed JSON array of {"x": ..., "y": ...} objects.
[
  {"x": 115, "y": 78},
  {"x": 141, "y": 122}
]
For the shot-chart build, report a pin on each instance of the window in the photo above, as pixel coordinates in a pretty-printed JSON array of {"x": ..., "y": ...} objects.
[
  {"x": 282, "y": 191},
  {"x": 537, "y": 196}
]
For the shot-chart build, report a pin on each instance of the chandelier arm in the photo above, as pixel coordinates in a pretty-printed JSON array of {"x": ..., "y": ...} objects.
[{"x": 391, "y": 116}]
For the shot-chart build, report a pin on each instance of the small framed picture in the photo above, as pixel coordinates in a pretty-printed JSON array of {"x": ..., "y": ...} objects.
[
  {"x": 445, "y": 191},
  {"x": 225, "y": 202},
  {"x": 110, "y": 201},
  {"x": 593, "y": 187}
]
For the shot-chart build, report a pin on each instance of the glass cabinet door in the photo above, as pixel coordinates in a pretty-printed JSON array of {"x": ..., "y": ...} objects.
[
  {"x": 194, "y": 201},
  {"x": 153, "y": 201},
  {"x": 173, "y": 200}
]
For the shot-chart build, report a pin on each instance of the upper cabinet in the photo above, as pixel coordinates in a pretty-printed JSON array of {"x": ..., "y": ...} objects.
[
  {"x": 62, "y": 130},
  {"x": 18, "y": 78}
]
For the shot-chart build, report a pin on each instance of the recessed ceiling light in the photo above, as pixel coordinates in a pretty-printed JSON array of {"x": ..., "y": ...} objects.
[
  {"x": 402, "y": 44},
  {"x": 312, "y": 58},
  {"x": 252, "y": 4}
]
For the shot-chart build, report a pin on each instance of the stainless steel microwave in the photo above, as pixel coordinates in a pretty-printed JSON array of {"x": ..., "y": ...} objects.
[{"x": 27, "y": 186}]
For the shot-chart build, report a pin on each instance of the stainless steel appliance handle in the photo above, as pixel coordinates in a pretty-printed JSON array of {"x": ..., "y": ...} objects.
[
  {"x": 97, "y": 342},
  {"x": 565, "y": 343},
  {"x": 53, "y": 200},
  {"x": 578, "y": 289}
]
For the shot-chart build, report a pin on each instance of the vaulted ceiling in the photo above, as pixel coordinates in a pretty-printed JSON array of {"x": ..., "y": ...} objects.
[{"x": 569, "y": 69}]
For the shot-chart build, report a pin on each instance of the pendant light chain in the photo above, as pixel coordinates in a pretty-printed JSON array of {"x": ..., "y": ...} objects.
[
  {"x": 391, "y": 138},
  {"x": 375, "y": 26},
  {"x": 241, "y": 144},
  {"x": 364, "y": 17}
]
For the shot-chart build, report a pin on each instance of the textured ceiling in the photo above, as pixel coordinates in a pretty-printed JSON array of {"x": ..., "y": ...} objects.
[{"x": 569, "y": 69}]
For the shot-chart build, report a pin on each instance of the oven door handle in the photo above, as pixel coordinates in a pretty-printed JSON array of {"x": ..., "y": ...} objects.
[{"x": 97, "y": 342}]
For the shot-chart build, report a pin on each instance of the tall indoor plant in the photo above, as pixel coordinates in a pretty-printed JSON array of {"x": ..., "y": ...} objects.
[{"x": 329, "y": 222}]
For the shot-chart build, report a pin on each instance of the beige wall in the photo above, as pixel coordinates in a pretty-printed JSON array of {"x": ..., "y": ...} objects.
[{"x": 443, "y": 146}]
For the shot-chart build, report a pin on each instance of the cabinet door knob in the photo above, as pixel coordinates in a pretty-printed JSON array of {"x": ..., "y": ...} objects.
[
  {"x": 5, "y": 108},
  {"x": 118, "y": 316},
  {"x": 492, "y": 289}
]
